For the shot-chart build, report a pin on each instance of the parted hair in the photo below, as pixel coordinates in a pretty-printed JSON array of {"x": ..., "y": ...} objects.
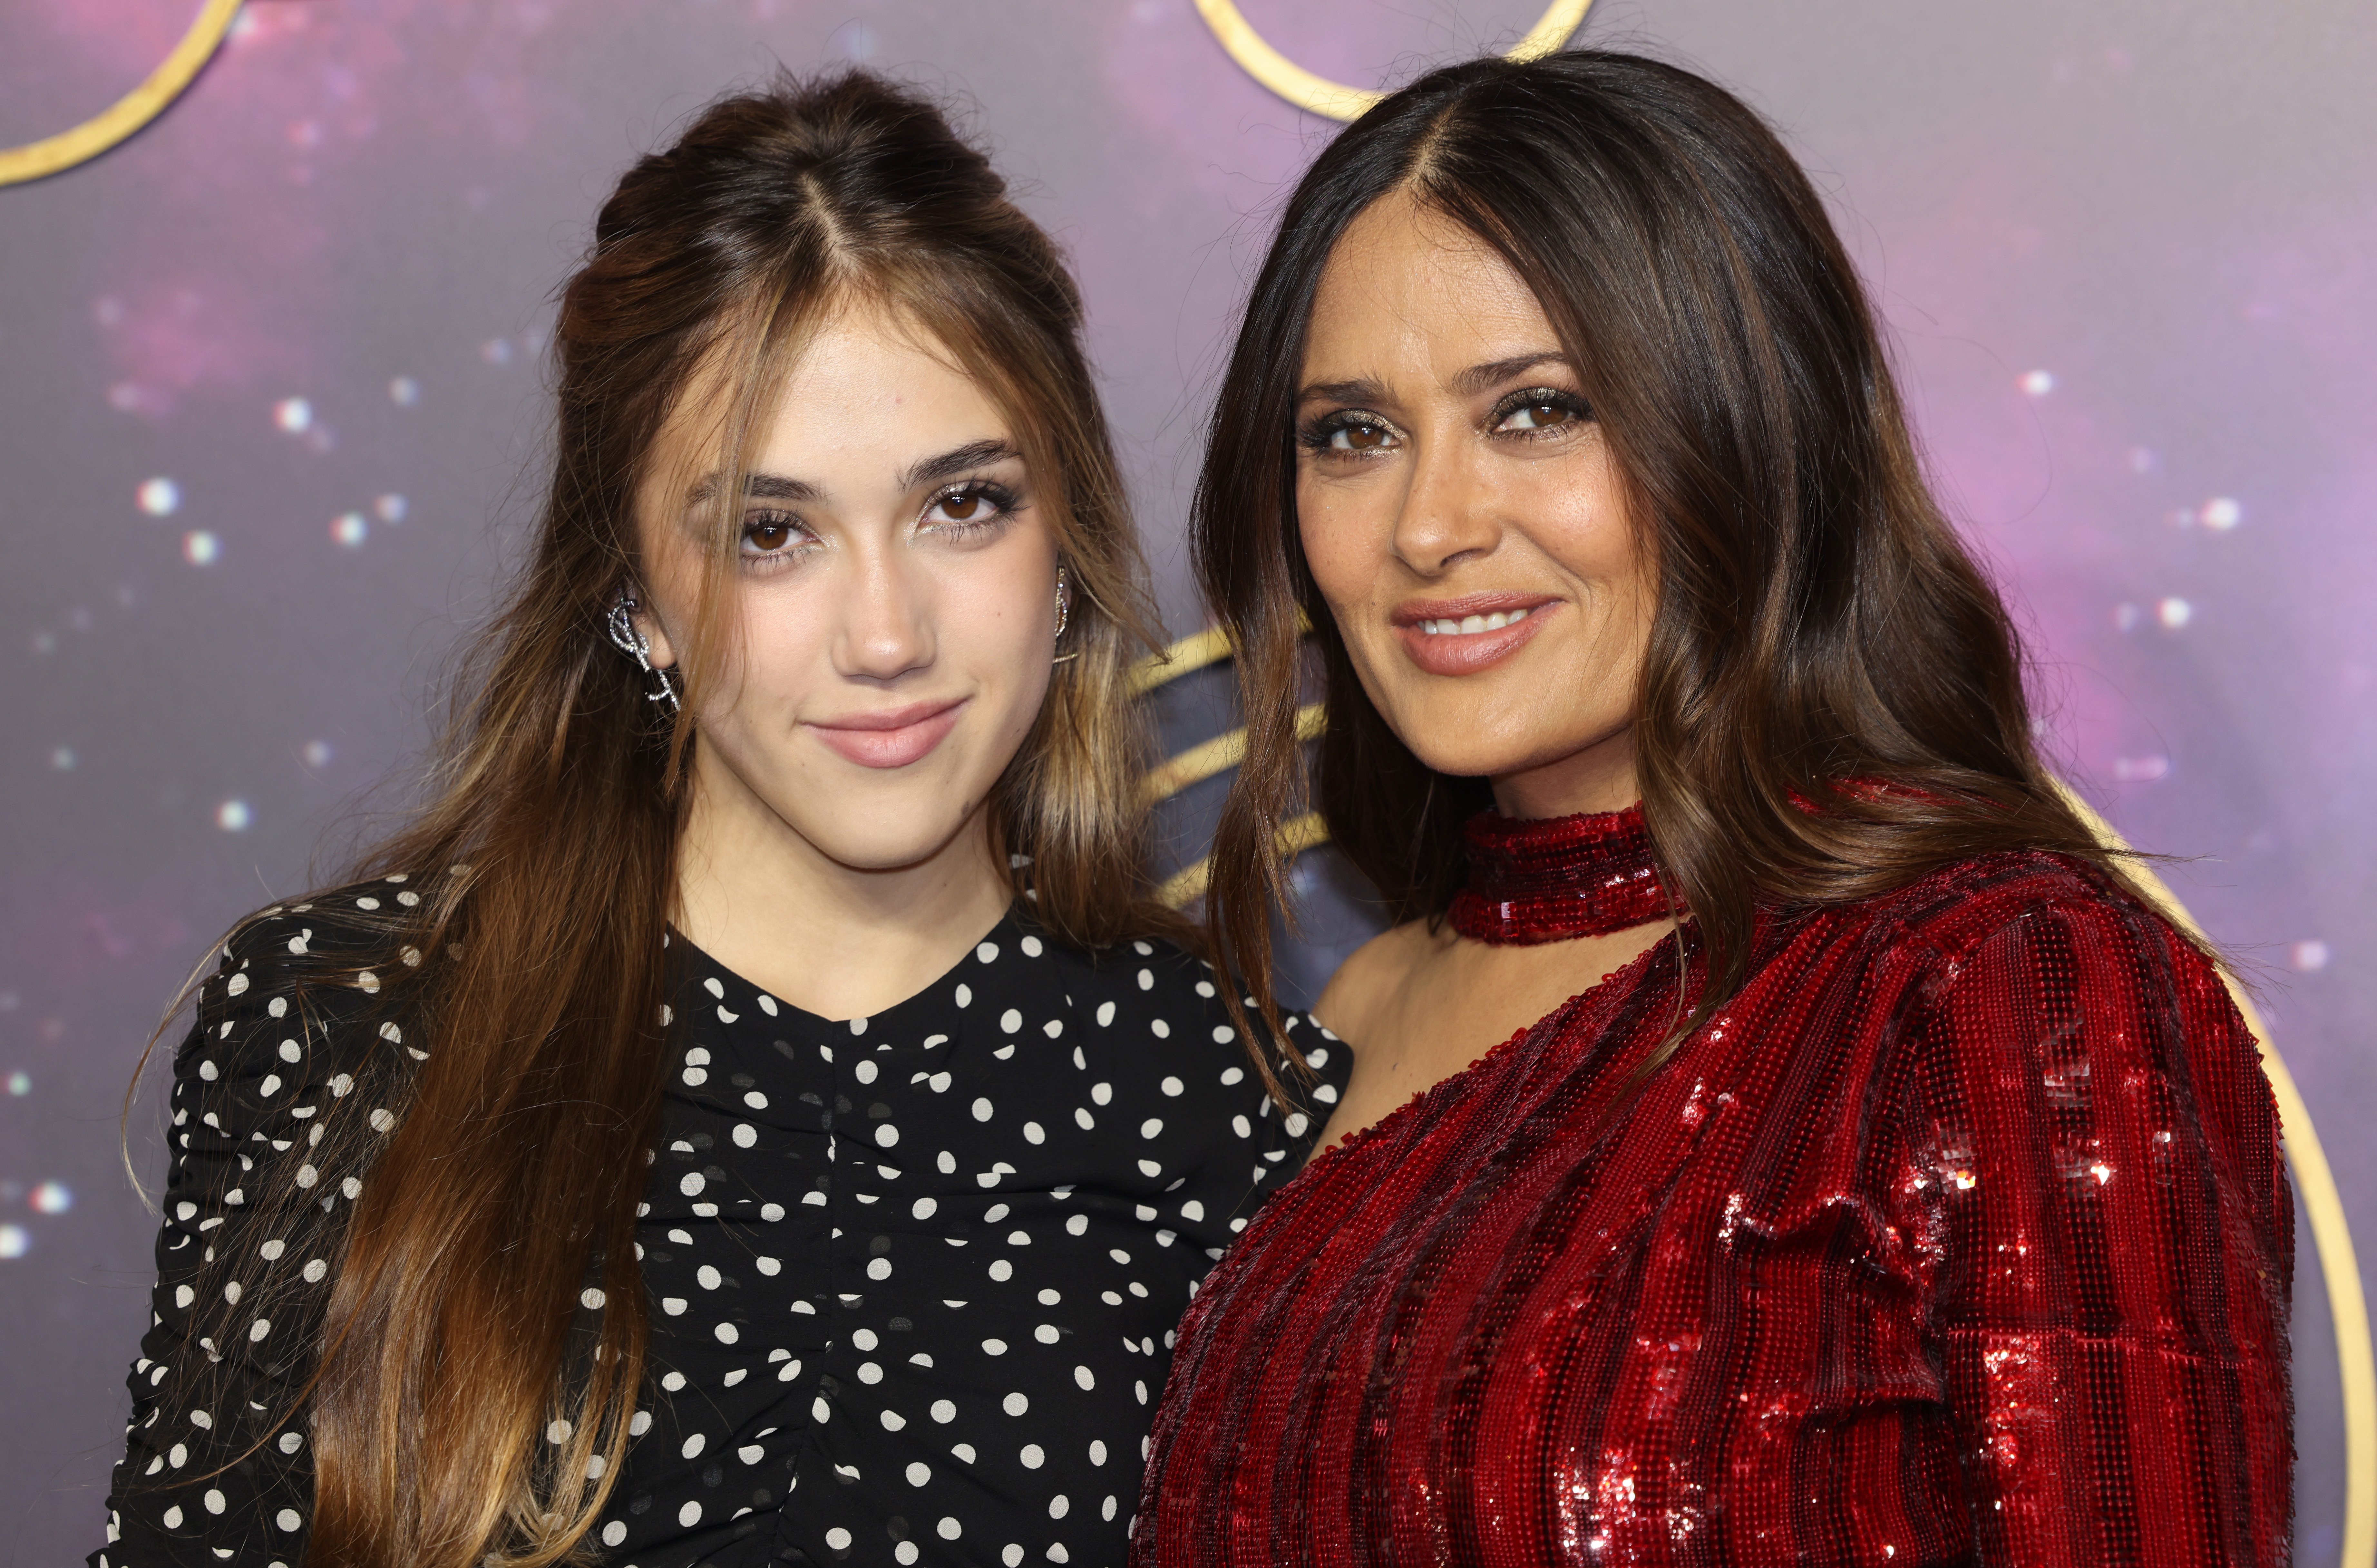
[
  {"x": 1832, "y": 702},
  {"x": 535, "y": 974}
]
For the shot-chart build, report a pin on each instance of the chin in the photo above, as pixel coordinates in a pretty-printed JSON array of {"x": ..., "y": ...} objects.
[
  {"x": 1460, "y": 738},
  {"x": 888, "y": 840},
  {"x": 1454, "y": 762}
]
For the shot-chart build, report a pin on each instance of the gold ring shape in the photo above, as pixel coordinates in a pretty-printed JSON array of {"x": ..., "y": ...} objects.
[
  {"x": 1318, "y": 95},
  {"x": 135, "y": 108}
]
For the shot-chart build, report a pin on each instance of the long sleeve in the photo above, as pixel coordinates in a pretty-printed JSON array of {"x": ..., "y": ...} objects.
[
  {"x": 1958, "y": 1235},
  {"x": 216, "y": 1466},
  {"x": 1255, "y": 1145},
  {"x": 2110, "y": 1245}
]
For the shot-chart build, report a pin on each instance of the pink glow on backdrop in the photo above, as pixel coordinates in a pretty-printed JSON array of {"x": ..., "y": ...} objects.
[{"x": 2122, "y": 249}]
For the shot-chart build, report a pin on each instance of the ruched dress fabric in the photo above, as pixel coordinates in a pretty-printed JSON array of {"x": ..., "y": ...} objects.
[
  {"x": 1960, "y": 1236},
  {"x": 913, "y": 1277}
]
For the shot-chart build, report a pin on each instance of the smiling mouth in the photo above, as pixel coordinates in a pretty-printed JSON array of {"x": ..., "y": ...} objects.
[
  {"x": 1470, "y": 635},
  {"x": 1469, "y": 625}
]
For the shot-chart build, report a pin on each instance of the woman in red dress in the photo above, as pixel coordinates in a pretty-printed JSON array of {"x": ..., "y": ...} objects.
[{"x": 1865, "y": 1174}]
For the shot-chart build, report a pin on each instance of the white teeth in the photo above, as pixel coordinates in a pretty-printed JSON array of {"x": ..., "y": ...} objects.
[{"x": 1469, "y": 625}]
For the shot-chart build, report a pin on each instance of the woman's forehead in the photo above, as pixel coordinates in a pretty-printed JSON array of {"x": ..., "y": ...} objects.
[
  {"x": 863, "y": 375},
  {"x": 1406, "y": 282}
]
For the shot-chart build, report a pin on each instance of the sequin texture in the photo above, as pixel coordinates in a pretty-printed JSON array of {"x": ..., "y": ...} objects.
[
  {"x": 1571, "y": 876},
  {"x": 1960, "y": 1236}
]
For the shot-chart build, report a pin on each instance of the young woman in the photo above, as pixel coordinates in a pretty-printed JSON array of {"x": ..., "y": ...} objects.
[
  {"x": 1865, "y": 1174},
  {"x": 750, "y": 1116}
]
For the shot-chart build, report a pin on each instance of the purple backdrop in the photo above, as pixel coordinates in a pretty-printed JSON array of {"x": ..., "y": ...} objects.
[{"x": 269, "y": 414}]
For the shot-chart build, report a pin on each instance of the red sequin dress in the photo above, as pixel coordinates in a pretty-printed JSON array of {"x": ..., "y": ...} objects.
[{"x": 1960, "y": 1236}]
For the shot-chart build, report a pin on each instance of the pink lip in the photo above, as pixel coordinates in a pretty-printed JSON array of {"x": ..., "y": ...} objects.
[
  {"x": 1472, "y": 652},
  {"x": 893, "y": 738}
]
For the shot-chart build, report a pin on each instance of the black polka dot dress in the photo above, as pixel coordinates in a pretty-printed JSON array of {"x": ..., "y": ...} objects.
[{"x": 913, "y": 1276}]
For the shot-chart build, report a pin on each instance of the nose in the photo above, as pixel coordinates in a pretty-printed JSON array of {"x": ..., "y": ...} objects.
[
  {"x": 1448, "y": 514},
  {"x": 886, "y": 619}
]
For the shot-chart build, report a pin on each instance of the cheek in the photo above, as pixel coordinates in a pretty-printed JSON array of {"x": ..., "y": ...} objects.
[
  {"x": 776, "y": 652},
  {"x": 1581, "y": 521},
  {"x": 1345, "y": 566},
  {"x": 997, "y": 623},
  {"x": 1338, "y": 548},
  {"x": 995, "y": 632}
]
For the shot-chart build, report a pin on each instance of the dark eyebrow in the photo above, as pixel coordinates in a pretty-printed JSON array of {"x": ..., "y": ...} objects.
[
  {"x": 764, "y": 487},
  {"x": 776, "y": 487},
  {"x": 949, "y": 464},
  {"x": 1361, "y": 390},
  {"x": 1478, "y": 377},
  {"x": 930, "y": 471},
  {"x": 1468, "y": 384}
]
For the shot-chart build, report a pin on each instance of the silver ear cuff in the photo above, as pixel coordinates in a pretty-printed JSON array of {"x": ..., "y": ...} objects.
[
  {"x": 1064, "y": 612},
  {"x": 629, "y": 639}
]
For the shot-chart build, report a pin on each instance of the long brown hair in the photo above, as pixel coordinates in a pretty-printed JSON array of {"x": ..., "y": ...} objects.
[
  {"x": 534, "y": 972},
  {"x": 1832, "y": 700}
]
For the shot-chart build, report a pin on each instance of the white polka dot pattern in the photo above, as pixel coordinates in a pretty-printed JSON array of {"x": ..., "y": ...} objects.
[
  {"x": 255, "y": 1085},
  {"x": 912, "y": 1276}
]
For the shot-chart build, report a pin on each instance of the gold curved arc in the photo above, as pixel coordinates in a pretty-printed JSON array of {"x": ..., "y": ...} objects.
[
  {"x": 1185, "y": 657},
  {"x": 2324, "y": 1204},
  {"x": 1190, "y": 654},
  {"x": 1317, "y": 94},
  {"x": 135, "y": 108},
  {"x": 1219, "y": 754},
  {"x": 2314, "y": 1178},
  {"x": 1296, "y": 836}
]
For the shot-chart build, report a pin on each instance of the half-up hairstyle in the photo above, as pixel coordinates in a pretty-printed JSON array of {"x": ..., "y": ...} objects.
[
  {"x": 1832, "y": 700},
  {"x": 467, "y": 1407}
]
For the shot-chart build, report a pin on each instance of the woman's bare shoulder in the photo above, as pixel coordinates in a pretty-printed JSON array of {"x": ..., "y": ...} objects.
[{"x": 1373, "y": 975}]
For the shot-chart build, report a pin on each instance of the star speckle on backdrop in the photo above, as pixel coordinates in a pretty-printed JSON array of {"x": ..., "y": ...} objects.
[{"x": 270, "y": 393}]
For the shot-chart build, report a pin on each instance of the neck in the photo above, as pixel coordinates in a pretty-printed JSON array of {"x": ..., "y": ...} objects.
[
  {"x": 1598, "y": 777},
  {"x": 834, "y": 939}
]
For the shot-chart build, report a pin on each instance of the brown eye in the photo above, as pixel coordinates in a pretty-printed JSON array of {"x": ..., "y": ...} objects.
[
  {"x": 773, "y": 538},
  {"x": 1537, "y": 410},
  {"x": 1355, "y": 432},
  {"x": 966, "y": 513},
  {"x": 1361, "y": 437}
]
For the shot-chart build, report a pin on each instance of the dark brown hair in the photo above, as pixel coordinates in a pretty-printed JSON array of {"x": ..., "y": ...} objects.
[
  {"x": 547, "y": 848},
  {"x": 1831, "y": 703}
]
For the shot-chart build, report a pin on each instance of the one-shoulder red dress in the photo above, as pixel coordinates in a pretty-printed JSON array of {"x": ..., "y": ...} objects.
[{"x": 1960, "y": 1236}]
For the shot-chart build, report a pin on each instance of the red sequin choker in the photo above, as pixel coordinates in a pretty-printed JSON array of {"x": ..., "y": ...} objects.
[{"x": 1558, "y": 878}]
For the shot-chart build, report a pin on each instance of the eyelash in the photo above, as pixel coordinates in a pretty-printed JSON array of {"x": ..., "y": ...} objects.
[
  {"x": 1003, "y": 502},
  {"x": 1317, "y": 434},
  {"x": 767, "y": 559},
  {"x": 1577, "y": 407}
]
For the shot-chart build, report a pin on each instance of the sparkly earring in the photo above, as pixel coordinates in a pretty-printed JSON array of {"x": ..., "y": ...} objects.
[
  {"x": 631, "y": 640},
  {"x": 1064, "y": 615}
]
